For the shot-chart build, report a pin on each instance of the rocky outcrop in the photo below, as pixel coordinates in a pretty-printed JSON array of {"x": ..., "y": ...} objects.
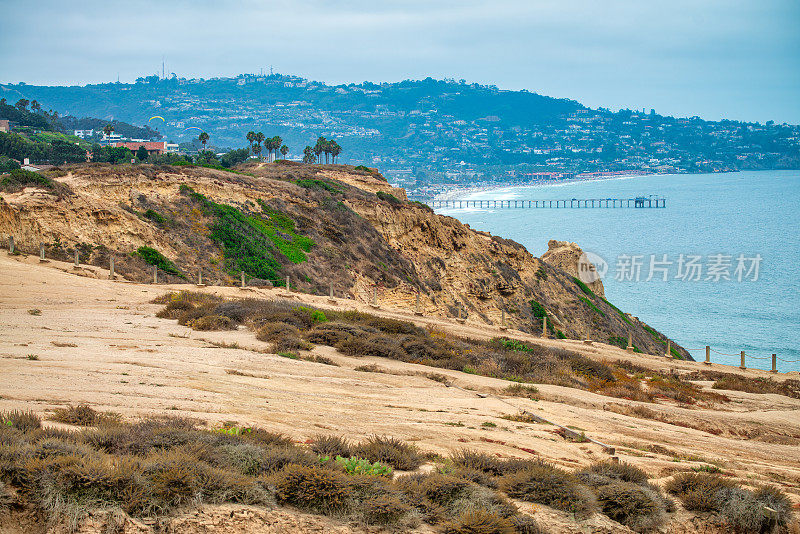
[{"x": 571, "y": 259}]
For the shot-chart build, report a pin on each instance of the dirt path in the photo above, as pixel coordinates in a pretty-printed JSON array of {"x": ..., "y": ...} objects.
[{"x": 98, "y": 342}]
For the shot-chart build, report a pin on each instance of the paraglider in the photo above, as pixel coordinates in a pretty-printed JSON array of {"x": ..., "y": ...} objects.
[
  {"x": 156, "y": 117},
  {"x": 195, "y": 127}
]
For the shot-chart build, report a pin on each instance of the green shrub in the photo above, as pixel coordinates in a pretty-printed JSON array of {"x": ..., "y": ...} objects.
[
  {"x": 537, "y": 310},
  {"x": 322, "y": 185},
  {"x": 388, "y": 197},
  {"x": 360, "y": 466},
  {"x": 154, "y": 257},
  {"x": 591, "y": 306},
  {"x": 18, "y": 179},
  {"x": 480, "y": 522},
  {"x": 312, "y": 488},
  {"x": 154, "y": 216},
  {"x": 545, "y": 484},
  {"x": 583, "y": 286},
  {"x": 390, "y": 451}
]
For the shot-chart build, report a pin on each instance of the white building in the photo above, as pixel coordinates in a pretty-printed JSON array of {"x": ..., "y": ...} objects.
[{"x": 83, "y": 134}]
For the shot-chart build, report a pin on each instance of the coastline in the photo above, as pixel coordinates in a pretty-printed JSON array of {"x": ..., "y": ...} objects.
[{"x": 465, "y": 193}]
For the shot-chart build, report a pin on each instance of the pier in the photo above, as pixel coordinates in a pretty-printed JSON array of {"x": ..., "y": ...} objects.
[{"x": 636, "y": 202}]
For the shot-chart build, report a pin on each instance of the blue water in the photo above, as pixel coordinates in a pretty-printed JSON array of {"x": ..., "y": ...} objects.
[{"x": 733, "y": 214}]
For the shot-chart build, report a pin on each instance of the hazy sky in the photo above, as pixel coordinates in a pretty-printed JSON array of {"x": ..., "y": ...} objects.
[{"x": 714, "y": 58}]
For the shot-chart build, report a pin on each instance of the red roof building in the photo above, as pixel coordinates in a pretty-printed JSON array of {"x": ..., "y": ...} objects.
[{"x": 152, "y": 147}]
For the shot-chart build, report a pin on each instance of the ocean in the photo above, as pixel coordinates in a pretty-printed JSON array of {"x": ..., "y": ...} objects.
[{"x": 727, "y": 244}]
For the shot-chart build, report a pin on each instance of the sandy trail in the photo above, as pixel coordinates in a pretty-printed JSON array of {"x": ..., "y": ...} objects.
[{"x": 99, "y": 342}]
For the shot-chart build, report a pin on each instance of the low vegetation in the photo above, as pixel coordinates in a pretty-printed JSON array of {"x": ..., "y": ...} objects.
[
  {"x": 290, "y": 327},
  {"x": 154, "y": 257},
  {"x": 741, "y": 509},
  {"x": 155, "y": 467}
]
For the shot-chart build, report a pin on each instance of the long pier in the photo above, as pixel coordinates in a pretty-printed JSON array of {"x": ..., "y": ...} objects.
[{"x": 636, "y": 202}]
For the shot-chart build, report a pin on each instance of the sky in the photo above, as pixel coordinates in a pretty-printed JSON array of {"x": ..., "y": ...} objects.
[{"x": 735, "y": 59}]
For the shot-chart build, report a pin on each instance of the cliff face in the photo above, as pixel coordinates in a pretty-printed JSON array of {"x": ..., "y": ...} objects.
[{"x": 321, "y": 226}]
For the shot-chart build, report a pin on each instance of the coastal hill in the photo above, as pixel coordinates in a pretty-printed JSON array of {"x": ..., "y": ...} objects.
[
  {"x": 322, "y": 227},
  {"x": 429, "y": 132}
]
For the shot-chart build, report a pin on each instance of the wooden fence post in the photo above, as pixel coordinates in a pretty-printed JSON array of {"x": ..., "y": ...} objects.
[
  {"x": 742, "y": 366},
  {"x": 708, "y": 355}
]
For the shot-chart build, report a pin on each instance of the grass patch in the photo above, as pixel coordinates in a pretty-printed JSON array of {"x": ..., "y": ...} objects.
[
  {"x": 154, "y": 257},
  {"x": 250, "y": 242},
  {"x": 322, "y": 185},
  {"x": 583, "y": 286},
  {"x": 388, "y": 197},
  {"x": 591, "y": 306}
]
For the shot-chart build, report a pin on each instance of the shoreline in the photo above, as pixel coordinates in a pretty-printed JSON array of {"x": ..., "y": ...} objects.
[{"x": 464, "y": 193}]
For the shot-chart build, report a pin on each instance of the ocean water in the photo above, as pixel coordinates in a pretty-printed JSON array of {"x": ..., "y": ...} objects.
[{"x": 720, "y": 223}]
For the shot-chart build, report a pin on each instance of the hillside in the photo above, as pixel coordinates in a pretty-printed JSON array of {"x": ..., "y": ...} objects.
[
  {"x": 430, "y": 131},
  {"x": 320, "y": 226}
]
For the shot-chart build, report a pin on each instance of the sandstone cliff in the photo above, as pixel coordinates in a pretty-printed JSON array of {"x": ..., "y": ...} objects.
[{"x": 321, "y": 226}]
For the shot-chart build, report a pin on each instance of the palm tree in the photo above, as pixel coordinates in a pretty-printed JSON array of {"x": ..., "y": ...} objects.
[
  {"x": 108, "y": 129},
  {"x": 284, "y": 151},
  {"x": 335, "y": 150},
  {"x": 259, "y": 138},
  {"x": 276, "y": 145},
  {"x": 319, "y": 148},
  {"x": 203, "y": 138},
  {"x": 251, "y": 137},
  {"x": 308, "y": 155},
  {"x": 257, "y": 150}
]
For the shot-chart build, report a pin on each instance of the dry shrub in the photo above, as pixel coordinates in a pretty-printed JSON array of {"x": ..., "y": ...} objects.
[
  {"x": 743, "y": 510},
  {"x": 480, "y": 522},
  {"x": 478, "y": 461},
  {"x": 331, "y": 333},
  {"x": 375, "y": 345},
  {"x": 637, "y": 507},
  {"x": 83, "y": 415},
  {"x": 212, "y": 322},
  {"x": 331, "y": 446},
  {"x": 274, "y": 331},
  {"x": 390, "y": 451},
  {"x": 525, "y": 524},
  {"x": 23, "y": 421},
  {"x": 314, "y": 488},
  {"x": 697, "y": 491},
  {"x": 522, "y": 390},
  {"x": 734, "y": 382},
  {"x": 384, "y": 509},
  {"x": 5, "y": 496},
  {"x": 623, "y": 471},
  {"x": 546, "y": 484},
  {"x": 316, "y": 358}
]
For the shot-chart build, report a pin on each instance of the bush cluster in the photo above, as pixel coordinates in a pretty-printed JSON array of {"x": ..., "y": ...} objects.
[
  {"x": 740, "y": 509},
  {"x": 154, "y": 467}
]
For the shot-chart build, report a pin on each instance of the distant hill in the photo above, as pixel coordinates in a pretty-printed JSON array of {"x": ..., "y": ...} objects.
[{"x": 430, "y": 131}]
